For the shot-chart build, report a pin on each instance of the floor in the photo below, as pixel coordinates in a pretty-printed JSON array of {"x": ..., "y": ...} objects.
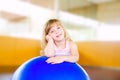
[
  {"x": 100, "y": 73},
  {"x": 95, "y": 73}
]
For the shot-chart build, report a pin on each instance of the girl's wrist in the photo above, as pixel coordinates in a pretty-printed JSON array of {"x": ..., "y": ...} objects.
[{"x": 50, "y": 40}]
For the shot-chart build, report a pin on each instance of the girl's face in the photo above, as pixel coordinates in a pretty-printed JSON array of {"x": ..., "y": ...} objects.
[{"x": 56, "y": 32}]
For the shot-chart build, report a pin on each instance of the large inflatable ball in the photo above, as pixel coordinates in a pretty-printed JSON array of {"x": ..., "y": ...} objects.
[{"x": 38, "y": 69}]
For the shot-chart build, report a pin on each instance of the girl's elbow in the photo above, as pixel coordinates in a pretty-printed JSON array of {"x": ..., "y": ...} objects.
[
  {"x": 49, "y": 55},
  {"x": 76, "y": 58}
]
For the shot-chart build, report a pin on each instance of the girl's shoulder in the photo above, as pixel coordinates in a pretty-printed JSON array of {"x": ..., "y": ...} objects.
[{"x": 72, "y": 44}]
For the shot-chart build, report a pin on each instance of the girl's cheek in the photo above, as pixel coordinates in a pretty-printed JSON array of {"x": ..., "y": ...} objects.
[{"x": 52, "y": 36}]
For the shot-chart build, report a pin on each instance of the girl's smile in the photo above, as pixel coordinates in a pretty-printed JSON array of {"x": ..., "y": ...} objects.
[{"x": 56, "y": 32}]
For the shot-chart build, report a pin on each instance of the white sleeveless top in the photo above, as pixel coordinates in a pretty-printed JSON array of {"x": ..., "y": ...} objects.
[{"x": 62, "y": 52}]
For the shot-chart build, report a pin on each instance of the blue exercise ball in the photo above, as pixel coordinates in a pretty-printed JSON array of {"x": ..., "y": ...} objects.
[{"x": 38, "y": 69}]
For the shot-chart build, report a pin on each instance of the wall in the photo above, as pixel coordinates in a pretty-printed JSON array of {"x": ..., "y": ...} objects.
[
  {"x": 109, "y": 12},
  {"x": 88, "y": 11},
  {"x": 100, "y": 53},
  {"x": 15, "y": 51}
]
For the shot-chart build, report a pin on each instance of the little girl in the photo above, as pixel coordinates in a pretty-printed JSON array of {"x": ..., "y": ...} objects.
[{"x": 57, "y": 45}]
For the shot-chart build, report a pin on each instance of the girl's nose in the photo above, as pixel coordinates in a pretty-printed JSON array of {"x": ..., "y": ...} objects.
[{"x": 56, "y": 31}]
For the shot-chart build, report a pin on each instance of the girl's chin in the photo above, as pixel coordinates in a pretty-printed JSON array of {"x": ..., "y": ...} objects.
[{"x": 59, "y": 39}]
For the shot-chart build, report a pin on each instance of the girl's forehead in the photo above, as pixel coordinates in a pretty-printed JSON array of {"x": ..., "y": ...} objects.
[
  {"x": 55, "y": 24},
  {"x": 53, "y": 27}
]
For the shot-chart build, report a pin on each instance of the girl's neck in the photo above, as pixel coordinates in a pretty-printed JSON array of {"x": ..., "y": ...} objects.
[{"x": 61, "y": 44}]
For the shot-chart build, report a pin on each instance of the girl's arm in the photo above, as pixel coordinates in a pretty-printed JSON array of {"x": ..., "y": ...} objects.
[
  {"x": 49, "y": 49},
  {"x": 74, "y": 57}
]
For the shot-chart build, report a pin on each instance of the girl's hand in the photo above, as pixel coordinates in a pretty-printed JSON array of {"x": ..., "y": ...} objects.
[
  {"x": 48, "y": 38},
  {"x": 55, "y": 60}
]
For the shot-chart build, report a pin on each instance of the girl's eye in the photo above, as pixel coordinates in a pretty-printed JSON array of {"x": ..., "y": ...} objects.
[
  {"x": 51, "y": 31},
  {"x": 58, "y": 28}
]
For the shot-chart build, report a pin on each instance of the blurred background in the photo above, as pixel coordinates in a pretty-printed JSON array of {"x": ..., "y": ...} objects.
[{"x": 93, "y": 24}]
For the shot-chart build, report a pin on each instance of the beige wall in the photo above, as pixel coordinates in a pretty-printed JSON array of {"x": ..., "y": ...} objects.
[
  {"x": 105, "y": 12},
  {"x": 89, "y": 11},
  {"x": 44, "y": 3},
  {"x": 109, "y": 12}
]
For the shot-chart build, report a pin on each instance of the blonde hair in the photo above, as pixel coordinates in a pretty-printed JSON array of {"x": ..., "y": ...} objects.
[{"x": 47, "y": 28}]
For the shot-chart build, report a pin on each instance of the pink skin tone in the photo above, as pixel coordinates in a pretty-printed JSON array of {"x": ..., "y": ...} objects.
[
  {"x": 56, "y": 36},
  {"x": 56, "y": 33}
]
